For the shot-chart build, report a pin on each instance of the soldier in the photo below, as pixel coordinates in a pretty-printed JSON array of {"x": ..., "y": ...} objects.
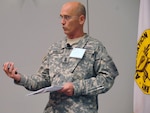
[{"x": 79, "y": 63}]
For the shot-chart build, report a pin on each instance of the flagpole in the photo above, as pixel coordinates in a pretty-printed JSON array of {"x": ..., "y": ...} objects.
[{"x": 87, "y": 16}]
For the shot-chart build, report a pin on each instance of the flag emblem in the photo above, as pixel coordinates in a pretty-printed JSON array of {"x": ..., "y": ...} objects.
[{"x": 142, "y": 75}]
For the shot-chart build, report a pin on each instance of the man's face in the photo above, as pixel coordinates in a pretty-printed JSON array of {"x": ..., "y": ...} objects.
[{"x": 69, "y": 20}]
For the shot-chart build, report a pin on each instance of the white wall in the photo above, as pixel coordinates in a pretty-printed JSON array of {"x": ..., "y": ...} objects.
[
  {"x": 114, "y": 22},
  {"x": 28, "y": 27}
]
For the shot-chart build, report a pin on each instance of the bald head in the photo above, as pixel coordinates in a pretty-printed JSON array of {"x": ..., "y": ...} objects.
[
  {"x": 72, "y": 19},
  {"x": 75, "y": 7}
]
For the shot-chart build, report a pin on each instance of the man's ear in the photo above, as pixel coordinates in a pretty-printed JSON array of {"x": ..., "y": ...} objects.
[{"x": 82, "y": 19}]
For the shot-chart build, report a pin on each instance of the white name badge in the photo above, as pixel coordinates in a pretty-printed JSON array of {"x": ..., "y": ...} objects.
[{"x": 77, "y": 52}]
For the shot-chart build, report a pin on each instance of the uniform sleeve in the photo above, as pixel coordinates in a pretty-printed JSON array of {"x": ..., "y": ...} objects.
[
  {"x": 39, "y": 80},
  {"x": 105, "y": 71}
]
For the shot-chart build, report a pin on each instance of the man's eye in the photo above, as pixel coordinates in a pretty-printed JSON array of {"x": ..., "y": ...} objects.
[{"x": 67, "y": 17}]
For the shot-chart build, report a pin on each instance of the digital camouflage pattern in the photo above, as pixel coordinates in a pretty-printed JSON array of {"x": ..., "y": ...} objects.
[{"x": 92, "y": 75}]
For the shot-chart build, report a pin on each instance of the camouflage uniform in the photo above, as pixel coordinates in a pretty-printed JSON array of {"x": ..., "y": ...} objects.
[{"x": 91, "y": 75}]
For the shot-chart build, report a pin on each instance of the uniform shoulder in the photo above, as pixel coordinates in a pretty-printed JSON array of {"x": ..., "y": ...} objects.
[
  {"x": 56, "y": 45},
  {"x": 94, "y": 42}
]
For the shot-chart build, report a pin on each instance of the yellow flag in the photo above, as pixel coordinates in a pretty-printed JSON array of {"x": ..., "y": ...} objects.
[{"x": 142, "y": 74}]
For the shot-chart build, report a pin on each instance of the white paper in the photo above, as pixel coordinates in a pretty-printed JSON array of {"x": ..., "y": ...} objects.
[
  {"x": 46, "y": 89},
  {"x": 77, "y": 52}
]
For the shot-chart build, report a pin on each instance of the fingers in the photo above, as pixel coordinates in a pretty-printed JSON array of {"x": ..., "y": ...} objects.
[
  {"x": 9, "y": 69},
  {"x": 67, "y": 89}
]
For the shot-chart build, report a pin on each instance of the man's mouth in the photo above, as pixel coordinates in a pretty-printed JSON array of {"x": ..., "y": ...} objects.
[{"x": 64, "y": 28}]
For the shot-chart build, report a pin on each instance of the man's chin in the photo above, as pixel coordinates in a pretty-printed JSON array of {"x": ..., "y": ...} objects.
[{"x": 65, "y": 32}]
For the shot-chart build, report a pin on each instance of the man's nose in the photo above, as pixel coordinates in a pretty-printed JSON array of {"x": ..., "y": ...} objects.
[{"x": 63, "y": 21}]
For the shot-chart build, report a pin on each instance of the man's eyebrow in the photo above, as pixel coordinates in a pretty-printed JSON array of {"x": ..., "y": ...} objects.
[{"x": 64, "y": 15}]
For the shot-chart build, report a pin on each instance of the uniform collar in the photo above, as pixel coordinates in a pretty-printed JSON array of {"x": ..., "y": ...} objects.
[{"x": 80, "y": 44}]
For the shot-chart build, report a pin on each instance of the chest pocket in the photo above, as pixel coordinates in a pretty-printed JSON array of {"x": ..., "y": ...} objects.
[
  {"x": 83, "y": 68},
  {"x": 60, "y": 61},
  {"x": 55, "y": 61}
]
